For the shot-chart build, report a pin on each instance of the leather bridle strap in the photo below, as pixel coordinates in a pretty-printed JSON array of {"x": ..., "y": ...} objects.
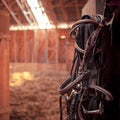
[
  {"x": 83, "y": 51},
  {"x": 77, "y": 24},
  {"x": 79, "y": 49},
  {"x": 64, "y": 88},
  {"x": 108, "y": 95}
]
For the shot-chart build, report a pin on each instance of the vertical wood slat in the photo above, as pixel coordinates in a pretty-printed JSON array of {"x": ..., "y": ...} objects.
[{"x": 4, "y": 65}]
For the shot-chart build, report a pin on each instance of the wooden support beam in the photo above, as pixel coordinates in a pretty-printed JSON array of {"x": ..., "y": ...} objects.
[{"x": 4, "y": 66}]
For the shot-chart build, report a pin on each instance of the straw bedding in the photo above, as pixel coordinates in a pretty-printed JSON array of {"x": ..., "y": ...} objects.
[{"x": 34, "y": 96}]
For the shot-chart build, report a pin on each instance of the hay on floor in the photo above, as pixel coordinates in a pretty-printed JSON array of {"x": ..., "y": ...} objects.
[{"x": 34, "y": 96}]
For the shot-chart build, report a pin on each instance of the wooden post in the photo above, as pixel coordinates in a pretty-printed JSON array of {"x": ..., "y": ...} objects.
[
  {"x": 25, "y": 54},
  {"x": 4, "y": 66},
  {"x": 89, "y": 8},
  {"x": 57, "y": 48},
  {"x": 46, "y": 46}
]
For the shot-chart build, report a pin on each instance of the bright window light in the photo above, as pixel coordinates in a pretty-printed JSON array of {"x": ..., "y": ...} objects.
[{"x": 39, "y": 14}]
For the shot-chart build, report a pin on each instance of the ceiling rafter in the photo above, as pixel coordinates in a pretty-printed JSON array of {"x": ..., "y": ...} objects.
[
  {"x": 64, "y": 10},
  {"x": 23, "y": 11},
  {"x": 58, "y": 11},
  {"x": 11, "y": 12}
]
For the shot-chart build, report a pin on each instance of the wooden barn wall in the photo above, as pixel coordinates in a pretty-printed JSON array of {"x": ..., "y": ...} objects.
[
  {"x": 66, "y": 48},
  {"x": 25, "y": 45},
  {"x": 41, "y": 46}
]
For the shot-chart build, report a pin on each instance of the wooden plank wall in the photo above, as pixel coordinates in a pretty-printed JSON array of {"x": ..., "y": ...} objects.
[{"x": 41, "y": 46}]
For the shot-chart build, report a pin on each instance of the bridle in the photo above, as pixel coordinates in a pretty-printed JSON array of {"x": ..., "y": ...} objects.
[{"x": 84, "y": 90}]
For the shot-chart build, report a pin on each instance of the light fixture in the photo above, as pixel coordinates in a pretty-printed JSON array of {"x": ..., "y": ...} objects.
[{"x": 62, "y": 36}]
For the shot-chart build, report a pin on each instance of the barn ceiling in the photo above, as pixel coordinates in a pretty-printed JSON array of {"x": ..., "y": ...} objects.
[{"x": 58, "y": 11}]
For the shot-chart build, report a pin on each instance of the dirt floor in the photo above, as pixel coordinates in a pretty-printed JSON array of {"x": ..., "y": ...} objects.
[{"x": 34, "y": 96}]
